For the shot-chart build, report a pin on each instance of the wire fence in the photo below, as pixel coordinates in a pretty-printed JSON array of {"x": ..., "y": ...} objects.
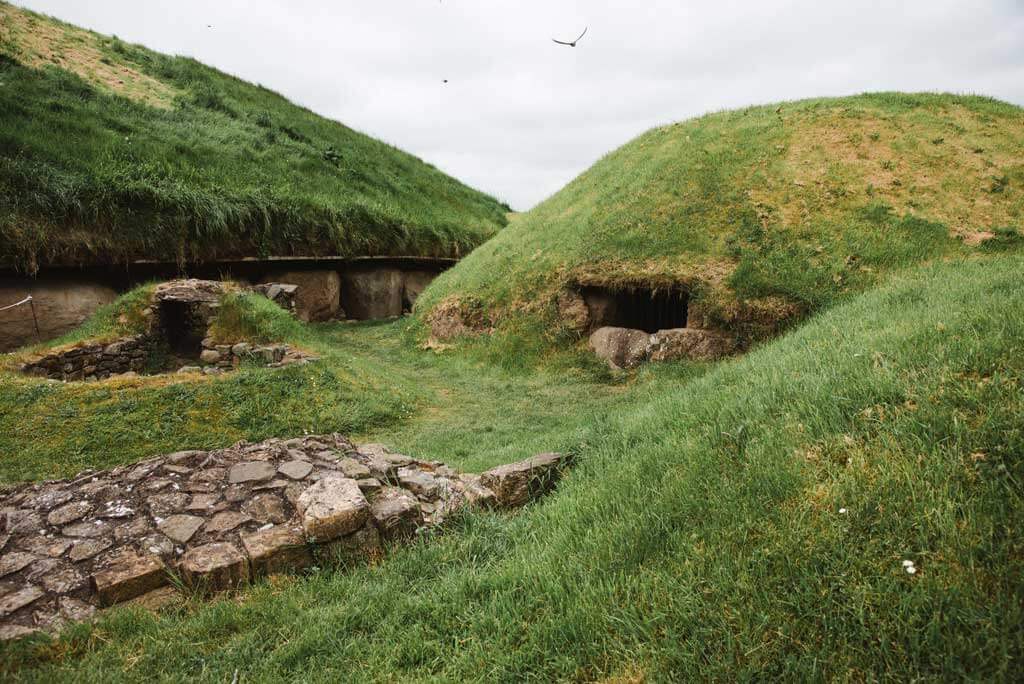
[{"x": 31, "y": 305}]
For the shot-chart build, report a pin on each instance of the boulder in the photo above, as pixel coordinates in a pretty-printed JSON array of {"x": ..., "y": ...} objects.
[
  {"x": 396, "y": 513},
  {"x": 318, "y": 295},
  {"x": 689, "y": 343},
  {"x": 332, "y": 508},
  {"x": 129, "y": 576},
  {"x": 275, "y": 550},
  {"x": 621, "y": 347},
  {"x": 214, "y": 566},
  {"x": 372, "y": 293},
  {"x": 516, "y": 484}
]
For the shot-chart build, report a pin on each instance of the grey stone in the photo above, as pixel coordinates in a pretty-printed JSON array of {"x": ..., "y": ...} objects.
[
  {"x": 396, "y": 512},
  {"x": 353, "y": 468},
  {"x": 214, "y": 566},
  {"x": 332, "y": 508},
  {"x": 129, "y": 576},
  {"x": 96, "y": 528},
  {"x": 517, "y": 483},
  {"x": 209, "y": 356},
  {"x": 181, "y": 528},
  {"x": 420, "y": 483},
  {"x": 621, "y": 347},
  {"x": 225, "y": 522},
  {"x": 75, "y": 610},
  {"x": 14, "y": 562},
  {"x": 296, "y": 470},
  {"x": 265, "y": 508},
  {"x": 16, "y": 600},
  {"x": 63, "y": 580},
  {"x": 165, "y": 504},
  {"x": 252, "y": 471},
  {"x": 87, "y": 549}
]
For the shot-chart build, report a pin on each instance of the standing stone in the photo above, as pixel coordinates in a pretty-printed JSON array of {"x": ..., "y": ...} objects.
[
  {"x": 214, "y": 566},
  {"x": 275, "y": 550},
  {"x": 129, "y": 576},
  {"x": 332, "y": 508}
]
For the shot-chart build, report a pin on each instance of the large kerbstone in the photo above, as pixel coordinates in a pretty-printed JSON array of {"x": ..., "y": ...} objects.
[
  {"x": 332, "y": 508},
  {"x": 61, "y": 305},
  {"x": 688, "y": 343},
  {"x": 516, "y": 484},
  {"x": 318, "y": 296},
  {"x": 129, "y": 576},
  {"x": 214, "y": 566},
  {"x": 275, "y": 550},
  {"x": 368, "y": 294},
  {"x": 621, "y": 347}
]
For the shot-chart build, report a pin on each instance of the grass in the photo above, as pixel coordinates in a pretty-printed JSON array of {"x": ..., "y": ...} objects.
[
  {"x": 110, "y": 152},
  {"x": 700, "y": 535},
  {"x": 770, "y": 212}
]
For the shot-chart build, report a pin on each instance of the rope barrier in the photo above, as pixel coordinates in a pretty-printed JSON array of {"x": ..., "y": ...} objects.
[{"x": 31, "y": 303}]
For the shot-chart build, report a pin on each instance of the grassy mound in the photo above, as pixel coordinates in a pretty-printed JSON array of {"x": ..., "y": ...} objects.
[
  {"x": 747, "y": 522},
  {"x": 111, "y": 152},
  {"x": 765, "y": 213}
]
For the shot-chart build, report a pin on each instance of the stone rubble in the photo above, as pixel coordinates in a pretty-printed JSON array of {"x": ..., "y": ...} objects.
[
  {"x": 217, "y": 519},
  {"x": 629, "y": 348}
]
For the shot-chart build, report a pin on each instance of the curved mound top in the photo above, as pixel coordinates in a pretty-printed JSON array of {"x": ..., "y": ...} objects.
[
  {"x": 767, "y": 212},
  {"x": 110, "y": 152}
]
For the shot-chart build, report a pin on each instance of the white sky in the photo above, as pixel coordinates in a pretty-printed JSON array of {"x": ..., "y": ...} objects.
[{"x": 521, "y": 116}]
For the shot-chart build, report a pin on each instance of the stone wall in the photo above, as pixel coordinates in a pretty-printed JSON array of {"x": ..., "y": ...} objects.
[
  {"x": 218, "y": 519},
  {"x": 220, "y": 358},
  {"x": 94, "y": 362}
]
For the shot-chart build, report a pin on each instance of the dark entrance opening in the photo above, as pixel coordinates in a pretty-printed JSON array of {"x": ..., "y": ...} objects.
[
  {"x": 639, "y": 308},
  {"x": 182, "y": 328}
]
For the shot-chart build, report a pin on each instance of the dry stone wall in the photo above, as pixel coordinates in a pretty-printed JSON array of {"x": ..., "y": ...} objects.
[
  {"x": 218, "y": 519},
  {"x": 94, "y": 361}
]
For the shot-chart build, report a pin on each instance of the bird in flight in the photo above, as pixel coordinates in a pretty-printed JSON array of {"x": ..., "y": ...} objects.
[{"x": 573, "y": 43}]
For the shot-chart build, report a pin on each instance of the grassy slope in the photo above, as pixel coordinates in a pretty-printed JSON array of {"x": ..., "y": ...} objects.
[
  {"x": 111, "y": 152},
  {"x": 700, "y": 534},
  {"x": 804, "y": 203}
]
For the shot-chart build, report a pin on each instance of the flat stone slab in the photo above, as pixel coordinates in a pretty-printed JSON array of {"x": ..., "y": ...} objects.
[{"x": 217, "y": 518}]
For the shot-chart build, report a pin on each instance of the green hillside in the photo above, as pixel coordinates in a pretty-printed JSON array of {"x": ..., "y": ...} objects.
[
  {"x": 742, "y": 520},
  {"x": 765, "y": 213},
  {"x": 111, "y": 152}
]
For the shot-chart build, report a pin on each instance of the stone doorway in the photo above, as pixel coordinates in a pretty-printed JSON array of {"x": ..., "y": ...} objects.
[
  {"x": 182, "y": 328},
  {"x": 637, "y": 307}
]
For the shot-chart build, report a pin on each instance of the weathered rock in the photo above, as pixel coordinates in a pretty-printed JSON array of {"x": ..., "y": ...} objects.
[
  {"x": 60, "y": 305},
  {"x": 476, "y": 493},
  {"x": 573, "y": 311},
  {"x": 266, "y": 508},
  {"x": 180, "y": 527},
  {"x": 88, "y": 548},
  {"x": 129, "y": 576},
  {"x": 357, "y": 547},
  {"x": 332, "y": 508},
  {"x": 75, "y": 610},
  {"x": 68, "y": 513},
  {"x": 225, "y": 522},
  {"x": 688, "y": 343},
  {"x": 165, "y": 504},
  {"x": 517, "y": 483},
  {"x": 353, "y": 468},
  {"x": 396, "y": 513},
  {"x": 97, "y": 528},
  {"x": 369, "y": 485},
  {"x": 296, "y": 470},
  {"x": 318, "y": 296},
  {"x": 420, "y": 483},
  {"x": 210, "y": 356},
  {"x": 252, "y": 471},
  {"x": 16, "y": 600},
  {"x": 214, "y": 566},
  {"x": 274, "y": 550},
  {"x": 369, "y": 294},
  {"x": 14, "y": 562},
  {"x": 62, "y": 580},
  {"x": 621, "y": 347},
  {"x": 202, "y": 503}
]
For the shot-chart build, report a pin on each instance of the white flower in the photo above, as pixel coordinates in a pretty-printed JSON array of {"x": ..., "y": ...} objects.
[
  {"x": 908, "y": 563},
  {"x": 842, "y": 511},
  {"x": 911, "y": 569}
]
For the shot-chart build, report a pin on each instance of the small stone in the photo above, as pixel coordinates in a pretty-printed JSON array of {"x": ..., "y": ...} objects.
[
  {"x": 12, "y": 632},
  {"x": 97, "y": 528},
  {"x": 241, "y": 349},
  {"x": 396, "y": 512},
  {"x": 332, "y": 508},
  {"x": 75, "y": 610},
  {"x": 156, "y": 544},
  {"x": 252, "y": 471},
  {"x": 420, "y": 483},
  {"x": 225, "y": 522},
  {"x": 187, "y": 370},
  {"x": 181, "y": 528},
  {"x": 14, "y": 562},
  {"x": 132, "y": 530},
  {"x": 23, "y": 522},
  {"x": 128, "y": 577},
  {"x": 63, "y": 580},
  {"x": 369, "y": 485},
  {"x": 265, "y": 508},
  {"x": 46, "y": 546},
  {"x": 209, "y": 356},
  {"x": 273, "y": 484},
  {"x": 50, "y": 498},
  {"x": 87, "y": 549},
  {"x": 202, "y": 503},
  {"x": 353, "y": 468},
  {"x": 177, "y": 469},
  {"x": 293, "y": 491},
  {"x": 183, "y": 457},
  {"x": 296, "y": 470},
  {"x": 236, "y": 493},
  {"x": 214, "y": 475},
  {"x": 275, "y": 550},
  {"x": 214, "y": 566},
  {"x": 165, "y": 504},
  {"x": 17, "y": 600}
]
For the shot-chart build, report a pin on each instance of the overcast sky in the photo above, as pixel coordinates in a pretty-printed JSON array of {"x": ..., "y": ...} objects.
[{"x": 521, "y": 116}]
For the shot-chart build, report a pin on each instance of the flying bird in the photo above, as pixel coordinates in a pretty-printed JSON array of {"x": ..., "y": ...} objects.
[{"x": 573, "y": 43}]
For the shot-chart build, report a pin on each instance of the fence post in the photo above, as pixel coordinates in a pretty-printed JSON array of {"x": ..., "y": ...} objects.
[{"x": 35, "y": 319}]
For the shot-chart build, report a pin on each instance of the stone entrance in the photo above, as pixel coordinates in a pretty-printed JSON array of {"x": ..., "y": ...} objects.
[
  {"x": 637, "y": 307},
  {"x": 218, "y": 519}
]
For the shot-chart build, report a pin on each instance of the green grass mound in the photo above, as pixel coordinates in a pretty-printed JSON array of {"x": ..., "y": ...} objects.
[
  {"x": 111, "y": 152},
  {"x": 764, "y": 214},
  {"x": 750, "y": 522}
]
